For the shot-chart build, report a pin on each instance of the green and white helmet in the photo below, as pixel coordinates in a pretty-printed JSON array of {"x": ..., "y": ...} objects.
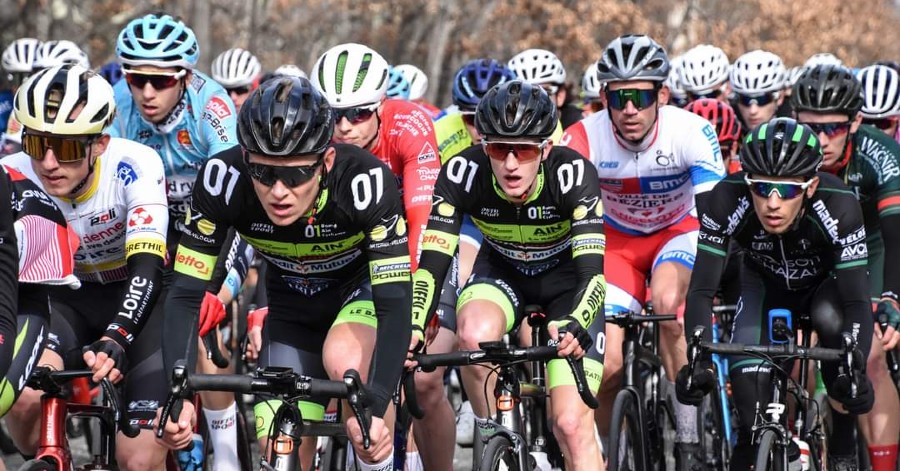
[{"x": 351, "y": 75}]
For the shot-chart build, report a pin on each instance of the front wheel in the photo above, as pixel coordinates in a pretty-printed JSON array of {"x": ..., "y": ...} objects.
[
  {"x": 626, "y": 443},
  {"x": 770, "y": 456},
  {"x": 499, "y": 455}
]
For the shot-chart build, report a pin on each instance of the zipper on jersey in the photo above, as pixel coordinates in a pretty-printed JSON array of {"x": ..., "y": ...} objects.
[{"x": 787, "y": 270}]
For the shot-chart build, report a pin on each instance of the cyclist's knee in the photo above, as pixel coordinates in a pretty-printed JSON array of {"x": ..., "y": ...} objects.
[
  {"x": 671, "y": 330},
  {"x": 140, "y": 453},
  {"x": 472, "y": 330},
  {"x": 430, "y": 387},
  {"x": 571, "y": 425}
]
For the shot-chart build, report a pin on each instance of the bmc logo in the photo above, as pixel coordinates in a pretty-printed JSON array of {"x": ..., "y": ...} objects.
[{"x": 218, "y": 107}]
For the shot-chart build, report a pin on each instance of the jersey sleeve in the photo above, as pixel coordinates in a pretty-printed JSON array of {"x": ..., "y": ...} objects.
[
  {"x": 451, "y": 135},
  {"x": 704, "y": 156},
  {"x": 887, "y": 168},
  {"x": 718, "y": 222},
  {"x": 585, "y": 207},
  {"x": 389, "y": 272},
  {"x": 575, "y": 138},
  {"x": 421, "y": 165},
  {"x": 9, "y": 269},
  {"x": 218, "y": 122}
]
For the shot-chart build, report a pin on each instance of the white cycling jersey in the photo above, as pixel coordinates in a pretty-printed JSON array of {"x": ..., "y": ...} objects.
[
  {"x": 650, "y": 186},
  {"x": 123, "y": 212}
]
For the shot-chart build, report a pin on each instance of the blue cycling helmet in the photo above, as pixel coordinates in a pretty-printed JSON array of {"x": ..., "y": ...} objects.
[
  {"x": 161, "y": 41},
  {"x": 475, "y": 78},
  {"x": 398, "y": 85},
  {"x": 112, "y": 72}
]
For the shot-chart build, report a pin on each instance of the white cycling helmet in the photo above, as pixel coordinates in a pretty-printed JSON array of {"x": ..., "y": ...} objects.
[
  {"x": 53, "y": 53},
  {"x": 19, "y": 55},
  {"x": 235, "y": 68},
  {"x": 351, "y": 75},
  {"x": 673, "y": 81},
  {"x": 590, "y": 84},
  {"x": 881, "y": 91},
  {"x": 418, "y": 81},
  {"x": 538, "y": 66},
  {"x": 822, "y": 58},
  {"x": 290, "y": 70},
  {"x": 47, "y": 100},
  {"x": 792, "y": 74},
  {"x": 757, "y": 72},
  {"x": 705, "y": 69}
]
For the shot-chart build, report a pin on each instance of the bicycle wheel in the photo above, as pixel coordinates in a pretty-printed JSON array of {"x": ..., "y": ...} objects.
[
  {"x": 499, "y": 455},
  {"x": 713, "y": 442},
  {"x": 769, "y": 457},
  {"x": 37, "y": 465},
  {"x": 626, "y": 443}
]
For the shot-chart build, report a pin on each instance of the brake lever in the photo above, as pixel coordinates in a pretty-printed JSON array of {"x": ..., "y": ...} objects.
[
  {"x": 356, "y": 397},
  {"x": 177, "y": 392}
]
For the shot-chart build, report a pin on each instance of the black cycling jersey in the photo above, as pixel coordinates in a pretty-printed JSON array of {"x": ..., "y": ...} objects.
[
  {"x": 560, "y": 221},
  {"x": 9, "y": 272},
  {"x": 357, "y": 230},
  {"x": 828, "y": 238}
]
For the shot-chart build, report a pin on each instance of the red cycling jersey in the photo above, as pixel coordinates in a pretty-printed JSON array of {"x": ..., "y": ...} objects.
[{"x": 406, "y": 143}]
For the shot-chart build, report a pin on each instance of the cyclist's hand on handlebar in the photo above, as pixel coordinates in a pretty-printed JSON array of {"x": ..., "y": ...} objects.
[
  {"x": 704, "y": 379},
  {"x": 212, "y": 311},
  {"x": 178, "y": 434},
  {"x": 382, "y": 441},
  {"x": 255, "y": 321},
  {"x": 887, "y": 313},
  {"x": 107, "y": 359},
  {"x": 865, "y": 396},
  {"x": 573, "y": 338}
]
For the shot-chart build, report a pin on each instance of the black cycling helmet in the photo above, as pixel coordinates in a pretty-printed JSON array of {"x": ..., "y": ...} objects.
[
  {"x": 285, "y": 116},
  {"x": 516, "y": 109},
  {"x": 781, "y": 148},
  {"x": 827, "y": 89}
]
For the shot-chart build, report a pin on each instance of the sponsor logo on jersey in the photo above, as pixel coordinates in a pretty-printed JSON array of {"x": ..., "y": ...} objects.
[
  {"x": 206, "y": 227},
  {"x": 664, "y": 160},
  {"x": 427, "y": 154},
  {"x": 829, "y": 222},
  {"x": 145, "y": 405},
  {"x": 262, "y": 227},
  {"x": 145, "y": 134},
  {"x": 218, "y": 107},
  {"x": 608, "y": 164},
  {"x": 709, "y": 223},
  {"x": 420, "y": 199},
  {"x": 197, "y": 82},
  {"x": 184, "y": 138},
  {"x": 307, "y": 286},
  {"x": 490, "y": 212},
  {"x": 135, "y": 298},
  {"x": 855, "y": 252},
  {"x": 428, "y": 173},
  {"x": 193, "y": 263},
  {"x": 126, "y": 173},
  {"x": 140, "y": 217},
  {"x": 105, "y": 234},
  {"x": 145, "y": 245},
  {"x": 762, "y": 246},
  {"x": 103, "y": 217},
  {"x": 880, "y": 158},
  {"x": 735, "y": 218}
]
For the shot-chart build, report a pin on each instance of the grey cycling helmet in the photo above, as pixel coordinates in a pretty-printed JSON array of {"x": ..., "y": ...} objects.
[{"x": 633, "y": 57}]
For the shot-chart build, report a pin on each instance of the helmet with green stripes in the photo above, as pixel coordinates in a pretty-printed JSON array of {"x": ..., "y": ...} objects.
[
  {"x": 781, "y": 148},
  {"x": 351, "y": 75}
]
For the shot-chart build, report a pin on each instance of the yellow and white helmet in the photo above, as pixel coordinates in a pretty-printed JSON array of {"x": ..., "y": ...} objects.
[{"x": 66, "y": 99}]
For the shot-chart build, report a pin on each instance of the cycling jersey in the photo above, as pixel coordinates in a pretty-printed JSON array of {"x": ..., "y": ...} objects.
[
  {"x": 451, "y": 135},
  {"x": 651, "y": 185},
  {"x": 356, "y": 231},
  {"x": 9, "y": 268},
  {"x": 121, "y": 222},
  {"x": 6, "y": 107},
  {"x": 558, "y": 223},
  {"x": 407, "y": 145},
  {"x": 203, "y": 123},
  {"x": 827, "y": 238},
  {"x": 873, "y": 173}
]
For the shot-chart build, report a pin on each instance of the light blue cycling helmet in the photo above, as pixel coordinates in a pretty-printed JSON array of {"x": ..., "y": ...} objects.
[
  {"x": 398, "y": 84},
  {"x": 161, "y": 41}
]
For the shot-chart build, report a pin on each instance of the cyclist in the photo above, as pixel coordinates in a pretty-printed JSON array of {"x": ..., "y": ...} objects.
[
  {"x": 828, "y": 99},
  {"x": 112, "y": 193},
  {"x": 401, "y": 134},
  {"x": 728, "y": 129},
  {"x": 543, "y": 68},
  {"x": 18, "y": 62},
  {"x": 418, "y": 86},
  {"x": 654, "y": 162},
  {"x": 325, "y": 216},
  {"x": 704, "y": 72},
  {"x": 238, "y": 72},
  {"x": 53, "y": 53},
  {"x": 541, "y": 215},
  {"x": 757, "y": 79},
  {"x": 881, "y": 98},
  {"x": 398, "y": 85},
  {"x": 804, "y": 249},
  {"x": 590, "y": 90},
  {"x": 185, "y": 116}
]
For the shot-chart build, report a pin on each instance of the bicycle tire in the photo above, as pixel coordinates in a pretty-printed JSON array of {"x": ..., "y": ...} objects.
[
  {"x": 37, "y": 465},
  {"x": 499, "y": 450},
  {"x": 626, "y": 434},
  {"x": 768, "y": 456}
]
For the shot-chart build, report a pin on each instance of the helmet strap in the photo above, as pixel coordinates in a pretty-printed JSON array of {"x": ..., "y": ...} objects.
[
  {"x": 315, "y": 209},
  {"x": 83, "y": 182}
]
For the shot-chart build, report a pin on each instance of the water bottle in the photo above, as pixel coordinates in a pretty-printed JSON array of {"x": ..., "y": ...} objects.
[
  {"x": 190, "y": 458},
  {"x": 804, "y": 453},
  {"x": 793, "y": 456},
  {"x": 541, "y": 463}
]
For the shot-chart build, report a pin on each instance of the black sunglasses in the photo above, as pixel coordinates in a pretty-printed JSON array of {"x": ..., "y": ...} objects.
[
  {"x": 243, "y": 90},
  {"x": 829, "y": 129},
  {"x": 354, "y": 115},
  {"x": 758, "y": 100},
  {"x": 291, "y": 176},
  {"x": 883, "y": 123},
  {"x": 641, "y": 99}
]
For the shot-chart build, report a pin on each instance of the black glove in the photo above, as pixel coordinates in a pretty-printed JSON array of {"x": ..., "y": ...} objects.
[
  {"x": 569, "y": 325},
  {"x": 113, "y": 350},
  {"x": 704, "y": 379},
  {"x": 865, "y": 396}
]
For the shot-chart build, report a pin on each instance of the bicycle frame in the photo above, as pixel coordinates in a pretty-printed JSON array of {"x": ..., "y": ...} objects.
[{"x": 721, "y": 363}]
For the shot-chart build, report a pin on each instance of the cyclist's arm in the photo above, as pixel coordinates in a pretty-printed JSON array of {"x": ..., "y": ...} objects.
[
  {"x": 421, "y": 164},
  {"x": 389, "y": 261},
  {"x": 706, "y": 166},
  {"x": 232, "y": 267},
  {"x": 575, "y": 138},
  {"x": 889, "y": 216},
  {"x": 850, "y": 269},
  {"x": 218, "y": 121},
  {"x": 145, "y": 246},
  {"x": 9, "y": 271}
]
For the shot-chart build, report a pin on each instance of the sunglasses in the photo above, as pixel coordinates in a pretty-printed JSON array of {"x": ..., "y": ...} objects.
[
  {"x": 238, "y": 90},
  {"x": 829, "y": 129},
  {"x": 65, "y": 149},
  {"x": 758, "y": 100},
  {"x": 523, "y": 151},
  {"x": 468, "y": 117},
  {"x": 785, "y": 190},
  {"x": 292, "y": 177},
  {"x": 157, "y": 81},
  {"x": 710, "y": 94},
  {"x": 641, "y": 99},
  {"x": 355, "y": 115},
  {"x": 883, "y": 123}
]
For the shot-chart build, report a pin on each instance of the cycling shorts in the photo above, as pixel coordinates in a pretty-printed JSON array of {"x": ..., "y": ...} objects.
[
  {"x": 630, "y": 259},
  {"x": 554, "y": 290}
]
